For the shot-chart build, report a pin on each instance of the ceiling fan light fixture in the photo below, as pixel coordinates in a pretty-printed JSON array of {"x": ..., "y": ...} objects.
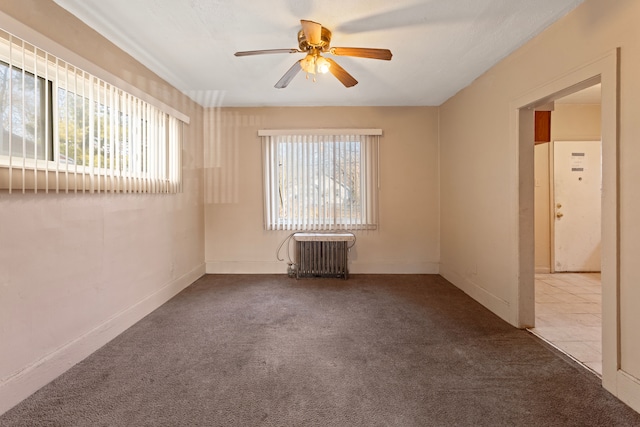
[
  {"x": 322, "y": 65},
  {"x": 308, "y": 64}
]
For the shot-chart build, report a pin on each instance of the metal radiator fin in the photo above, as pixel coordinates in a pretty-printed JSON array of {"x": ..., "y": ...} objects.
[{"x": 322, "y": 259}]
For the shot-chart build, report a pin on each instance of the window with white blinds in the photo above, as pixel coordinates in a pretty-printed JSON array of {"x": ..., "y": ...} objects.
[
  {"x": 65, "y": 130},
  {"x": 320, "y": 180}
]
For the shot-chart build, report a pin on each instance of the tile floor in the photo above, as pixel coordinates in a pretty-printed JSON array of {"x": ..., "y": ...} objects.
[{"x": 569, "y": 315}]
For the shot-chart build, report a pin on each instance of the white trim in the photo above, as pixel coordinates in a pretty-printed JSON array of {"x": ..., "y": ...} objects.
[
  {"x": 628, "y": 387},
  {"x": 324, "y": 237},
  {"x": 280, "y": 132},
  {"x": 24, "y": 383},
  {"x": 604, "y": 70},
  {"x": 497, "y": 305},
  {"x": 246, "y": 267},
  {"x": 24, "y": 32},
  {"x": 355, "y": 267},
  {"x": 393, "y": 267}
]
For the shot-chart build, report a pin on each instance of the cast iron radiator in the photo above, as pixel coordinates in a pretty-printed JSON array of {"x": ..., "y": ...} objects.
[{"x": 322, "y": 254}]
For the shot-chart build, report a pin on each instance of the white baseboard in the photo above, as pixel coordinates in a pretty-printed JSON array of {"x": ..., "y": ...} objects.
[
  {"x": 497, "y": 305},
  {"x": 276, "y": 267},
  {"x": 33, "y": 377},
  {"x": 628, "y": 390},
  {"x": 356, "y": 267},
  {"x": 246, "y": 267}
]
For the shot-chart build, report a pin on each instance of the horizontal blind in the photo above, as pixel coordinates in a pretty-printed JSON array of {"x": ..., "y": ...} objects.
[
  {"x": 65, "y": 130},
  {"x": 320, "y": 182}
]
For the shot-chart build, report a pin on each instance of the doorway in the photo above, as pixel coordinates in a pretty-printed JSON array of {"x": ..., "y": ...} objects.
[
  {"x": 603, "y": 70},
  {"x": 568, "y": 305}
]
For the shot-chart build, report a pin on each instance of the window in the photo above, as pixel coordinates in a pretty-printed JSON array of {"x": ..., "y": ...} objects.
[
  {"x": 320, "y": 180},
  {"x": 22, "y": 104},
  {"x": 64, "y": 129}
]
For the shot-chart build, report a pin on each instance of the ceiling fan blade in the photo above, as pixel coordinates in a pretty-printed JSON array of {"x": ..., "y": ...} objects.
[
  {"x": 288, "y": 76},
  {"x": 362, "y": 52},
  {"x": 262, "y": 52},
  {"x": 341, "y": 74},
  {"x": 312, "y": 32}
]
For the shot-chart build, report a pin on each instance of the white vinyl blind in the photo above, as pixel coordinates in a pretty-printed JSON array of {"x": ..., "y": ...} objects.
[
  {"x": 320, "y": 181},
  {"x": 65, "y": 130}
]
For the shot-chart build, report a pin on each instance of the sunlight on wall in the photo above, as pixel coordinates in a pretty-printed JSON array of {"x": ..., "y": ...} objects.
[{"x": 222, "y": 153}]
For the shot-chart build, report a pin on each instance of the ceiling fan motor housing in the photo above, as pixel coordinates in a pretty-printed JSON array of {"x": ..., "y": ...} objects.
[{"x": 325, "y": 40}]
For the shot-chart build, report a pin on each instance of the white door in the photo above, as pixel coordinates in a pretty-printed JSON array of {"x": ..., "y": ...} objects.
[{"x": 577, "y": 193}]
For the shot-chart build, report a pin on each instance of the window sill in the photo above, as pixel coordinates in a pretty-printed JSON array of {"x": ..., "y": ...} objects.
[
  {"x": 324, "y": 237},
  {"x": 68, "y": 181}
]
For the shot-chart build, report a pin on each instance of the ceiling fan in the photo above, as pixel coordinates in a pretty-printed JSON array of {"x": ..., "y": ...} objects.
[{"x": 314, "y": 39}]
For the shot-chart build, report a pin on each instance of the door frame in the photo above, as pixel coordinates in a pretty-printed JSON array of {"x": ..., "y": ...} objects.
[{"x": 602, "y": 70}]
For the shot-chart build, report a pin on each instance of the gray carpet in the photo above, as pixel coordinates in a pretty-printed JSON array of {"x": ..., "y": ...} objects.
[{"x": 375, "y": 350}]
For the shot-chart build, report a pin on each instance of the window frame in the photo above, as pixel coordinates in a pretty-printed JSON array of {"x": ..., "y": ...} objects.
[
  {"x": 144, "y": 130},
  {"x": 366, "y": 215},
  {"x": 45, "y": 114}
]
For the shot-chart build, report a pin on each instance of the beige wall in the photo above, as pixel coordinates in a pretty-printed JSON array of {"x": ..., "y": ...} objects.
[
  {"x": 569, "y": 122},
  {"x": 77, "y": 269},
  {"x": 407, "y": 240},
  {"x": 479, "y": 164},
  {"x": 81, "y": 268}
]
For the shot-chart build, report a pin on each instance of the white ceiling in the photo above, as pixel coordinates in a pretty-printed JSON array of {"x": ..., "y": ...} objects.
[{"x": 439, "y": 46}]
